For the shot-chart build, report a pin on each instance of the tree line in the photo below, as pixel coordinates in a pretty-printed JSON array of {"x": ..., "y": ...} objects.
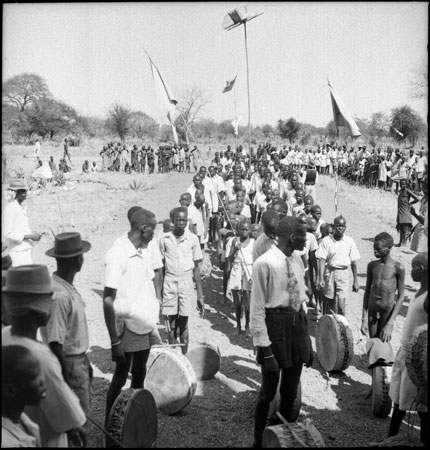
[{"x": 30, "y": 110}]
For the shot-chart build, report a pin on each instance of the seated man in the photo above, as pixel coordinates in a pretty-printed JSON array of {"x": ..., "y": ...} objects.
[{"x": 86, "y": 167}]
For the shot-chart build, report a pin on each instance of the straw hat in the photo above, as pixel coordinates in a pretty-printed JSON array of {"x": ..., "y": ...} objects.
[
  {"x": 17, "y": 183},
  {"x": 28, "y": 279},
  {"x": 68, "y": 245}
]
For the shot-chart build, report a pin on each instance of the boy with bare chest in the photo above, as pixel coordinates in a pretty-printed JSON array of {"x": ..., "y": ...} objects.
[{"x": 385, "y": 277}]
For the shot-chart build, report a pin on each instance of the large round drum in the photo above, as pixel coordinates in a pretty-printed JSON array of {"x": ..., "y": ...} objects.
[
  {"x": 334, "y": 342},
  {"x": 132, "y": 420},
  {"x": 381, "y": 401},
  {"x": 275, "y": 404},
  {"x": 416, "y": 356},
  {"x": 171, "y": 380},
  {"x": 205, "y": 359},
  {"x": 292, "y": 435}
]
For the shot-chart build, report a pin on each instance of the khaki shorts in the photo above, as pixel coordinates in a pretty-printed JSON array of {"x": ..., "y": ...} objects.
[
  {"x": 179, "y": 296},
  {"x": 336, "y": 282},
  {"x": 133, "y": 342}
]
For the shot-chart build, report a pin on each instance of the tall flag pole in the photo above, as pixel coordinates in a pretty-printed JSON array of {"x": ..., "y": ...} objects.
[
  {"x": 233, "y": 19},
  {"x": 164, "y": 96},
  {"x": 231, "y": 85},
  {"x": 341, "y": 118}
]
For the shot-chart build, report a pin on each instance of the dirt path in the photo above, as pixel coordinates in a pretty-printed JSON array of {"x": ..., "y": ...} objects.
[{"x": 221, "y": 413}]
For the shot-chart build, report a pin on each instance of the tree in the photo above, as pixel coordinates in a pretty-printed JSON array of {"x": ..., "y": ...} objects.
[
  {"x": 165, "y": 134},
  {"x": 22, "y": 90},
  {"x": 49, "y": 117},
  {"x": 143, "y": 125},
  {"x": 406, "y": 121},
  {"x": 118, "y": 120},
  {"x": 288, "y": 129},
  {"x": 191, "y": 105},
  {"x": 267, "y": 130},
  {"x": 419, "y": 82},
  {"x": 205, "y": 128},
  {"x": 378, "y": 126},
  {"x": 225, "y": 128}
]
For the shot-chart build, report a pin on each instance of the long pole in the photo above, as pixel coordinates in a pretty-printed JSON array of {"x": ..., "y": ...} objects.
[
  {"x": 247, "y": 79},
  {"x": 235, "y": 115}
]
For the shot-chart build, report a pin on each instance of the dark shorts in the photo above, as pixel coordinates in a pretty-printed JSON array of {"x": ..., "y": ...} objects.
[{"x": 288, "y": 332}]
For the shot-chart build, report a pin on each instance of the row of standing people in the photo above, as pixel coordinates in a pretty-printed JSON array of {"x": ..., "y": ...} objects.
[{"x": 180, "y": 158}]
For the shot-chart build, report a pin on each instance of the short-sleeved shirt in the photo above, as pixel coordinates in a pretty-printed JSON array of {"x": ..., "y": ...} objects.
[
  {"x": 60, "y": 410},
  {"x": 131, "y": 272},
  {"x": 180, "y": 253},
  {"x": 311, "y": 245},
  {"x": 67, "y": 323},
  {"x": 338, "y": 254},
  {"x": 25, "y": 433}
]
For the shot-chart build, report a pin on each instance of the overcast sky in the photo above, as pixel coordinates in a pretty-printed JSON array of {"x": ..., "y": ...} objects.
[{"x": 91, "y": 55}]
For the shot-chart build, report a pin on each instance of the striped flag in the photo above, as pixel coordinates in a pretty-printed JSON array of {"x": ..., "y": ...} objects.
[
  {"x": 341, "y": 116},
  {"x": 166, "y": 99},
  {"x": 229, "y": 85}
]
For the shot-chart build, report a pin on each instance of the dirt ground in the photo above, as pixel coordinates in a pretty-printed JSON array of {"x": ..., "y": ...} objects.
[{"x": 221, "y": 412}]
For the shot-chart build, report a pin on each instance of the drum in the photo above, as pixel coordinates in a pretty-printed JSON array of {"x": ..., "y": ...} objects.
[
  {"x": 381, "y": 401},
  {"x": 334, "y": 343},
  {"x": 416, "y": 356},
  {"x": 171, "y": 380},
  {"x": 205, "y": 359},
  {"x": 292, "y": 435},
  {"x": 133, "y": 420},
  {"x": 275, "y": 404}
]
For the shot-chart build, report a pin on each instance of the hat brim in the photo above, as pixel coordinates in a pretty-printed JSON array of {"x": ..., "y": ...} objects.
[
  {"x": 29, "y": 290},
  {"x": 85, "y": 247},
  {"x": 19, "y": 188}
]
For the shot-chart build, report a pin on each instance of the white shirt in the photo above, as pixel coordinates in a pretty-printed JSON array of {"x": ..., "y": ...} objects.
[
  {"x": 311, "y": 245},
  {"x": 131, "y": 272},
  {"x": 37, "y": 151},
  {"x": 15, "y": 226},
  {"x": 270, "y": 289},
  {"x": 217, "y": 186},
  {"x": 338, "y": 253}
]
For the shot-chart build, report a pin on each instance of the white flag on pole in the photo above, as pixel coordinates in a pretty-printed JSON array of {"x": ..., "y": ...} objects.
[
  {"x": 341, "y": 116},
  {"x": 235, "y": 124},
  {"x": 165, "y": 98}
]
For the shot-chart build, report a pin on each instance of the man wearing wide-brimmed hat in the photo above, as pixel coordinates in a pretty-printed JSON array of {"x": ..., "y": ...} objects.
[
  {"x": 66, "y": 332},
  {"x": 27, "y": 296},
  {"x": 16, "y": 226}
]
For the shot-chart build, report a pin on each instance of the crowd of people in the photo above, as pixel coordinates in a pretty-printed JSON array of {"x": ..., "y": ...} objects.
[
  {"x": 119, "y": 158},
  {"x": 282, "y": 264}
]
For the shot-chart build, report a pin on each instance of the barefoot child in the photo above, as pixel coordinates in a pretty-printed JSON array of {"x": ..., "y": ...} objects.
[
  {"x": 384, "y": 277},
  {"x": 239, "y": 257},
  {"x": 181, "y": 252}
]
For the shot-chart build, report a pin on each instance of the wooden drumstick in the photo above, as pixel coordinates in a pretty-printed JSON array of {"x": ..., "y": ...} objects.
[
  {"x": 167, "y": 345},
  {"x": 105, "y": 432}
]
